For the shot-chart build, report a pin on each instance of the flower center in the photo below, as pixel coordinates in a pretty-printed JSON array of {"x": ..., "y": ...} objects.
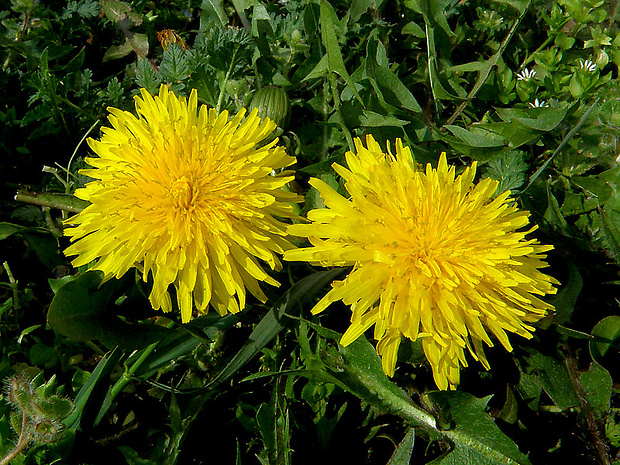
[{"x": 183, "y": 193}]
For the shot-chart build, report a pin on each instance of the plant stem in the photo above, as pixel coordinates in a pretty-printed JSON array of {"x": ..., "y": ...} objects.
[
  {"x": 67, "y": 184},
  {"x": 24, "y": 440},
  {"x": 52, "y": 200},
  {"x": 13, "y": 283},
  {"x": 123, "y": 381},
  {"x": 541, "y": 47},
  {"x": 126, "y": 377}
]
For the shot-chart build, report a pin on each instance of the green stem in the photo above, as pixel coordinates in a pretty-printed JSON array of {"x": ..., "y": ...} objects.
[
  {"x": 52, "y": 200},
  {"x": 18, "y": 38},
  {"x": 69, "y": 103},
  {"x": 24, "y": 440},
  {"x": 541, "y": 47},
  {"x": 125, "y": 378},
  {"x": 13, "y": 283},
  {"x": 49, "y": 221},
  {"x": 67, "y": 184},
  {"x": 128, "y": 374}
]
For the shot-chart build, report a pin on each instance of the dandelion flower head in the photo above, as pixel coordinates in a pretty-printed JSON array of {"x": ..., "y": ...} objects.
[
  {"x": 435, "y": 257},
  {"x": 189, "y": 197}
]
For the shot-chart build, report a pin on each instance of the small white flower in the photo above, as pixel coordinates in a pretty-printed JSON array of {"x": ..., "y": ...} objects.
[
  {"x": 539, "y": 104},
  {"x": 526, "y": 75},
  {"x": 587, "y": 65}
]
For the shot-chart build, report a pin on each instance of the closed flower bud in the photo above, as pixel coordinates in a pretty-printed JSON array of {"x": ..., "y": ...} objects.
[{"x": 273, "y": 103}]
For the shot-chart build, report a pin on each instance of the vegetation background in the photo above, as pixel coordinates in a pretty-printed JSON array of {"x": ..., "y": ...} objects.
[{"x": 93, "y": 375}]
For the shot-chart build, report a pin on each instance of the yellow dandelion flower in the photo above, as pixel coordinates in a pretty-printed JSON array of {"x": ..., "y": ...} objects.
[
  {"x": 186, "y": 195},
  {"x": 435, "y": 257}
]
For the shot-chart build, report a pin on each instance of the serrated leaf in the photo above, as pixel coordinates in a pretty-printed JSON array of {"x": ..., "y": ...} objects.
[
  {"x": 553, "y": 213},
  {"x": 174, "y": 65},
  {"x": 359, "y": 369},
  {"x": 146, "y": 76},
  {"x": 476, "y": 437},
  {"x": 509, "y": 169}
]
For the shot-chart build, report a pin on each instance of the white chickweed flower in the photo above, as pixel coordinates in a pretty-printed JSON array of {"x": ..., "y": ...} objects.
[
  {"x": 587, "y": 65},
  {"x": 539, "y": 104},
  {"x": 526, "y": 75}
]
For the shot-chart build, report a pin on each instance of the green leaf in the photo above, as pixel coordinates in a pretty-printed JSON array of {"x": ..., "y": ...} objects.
[
  {"x": 402, "y": 454},
  {"x": 80, "y": 312},
  {"x": 174, "y": 65},
  {"x": 509, "y": 169},
  {"x": 146, "y": 76},
  {"x": 115, "y": 11},
  {"x": 359, "y": 369},
  {"x": 184, "y": 341},
  {"x": 610, "y": 228},
  {"x": 42, "y": 355},
  {"x": 553, "y": 214},
  {"x": 319, "y": 70},
  {"x": 391, "y": 88},
  {"x": 597, "y": 386},
  {"x": 212, "y": 13},
  {"x": 606, "y": 333},
  {"x": 477, "y": 137},
  {"x": 8, "y": 229},
  {"x": 414, "y": 30},
  {"x": 566, "y": 299},
  {"x": 372, "y": 119},
  {"x": 118, "y": 51},
  {"x": 553, "y": 375},
  {"x": 56, "y": 407},
  {"x": 105, "y": 366},
  {"x": 476, "y": 437},
  {"x": 541, "y": 119},
  {"x": 564, "y": 142},
  {"x": 266, "y": 422},
  {"x": 335, "y": 62}
]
